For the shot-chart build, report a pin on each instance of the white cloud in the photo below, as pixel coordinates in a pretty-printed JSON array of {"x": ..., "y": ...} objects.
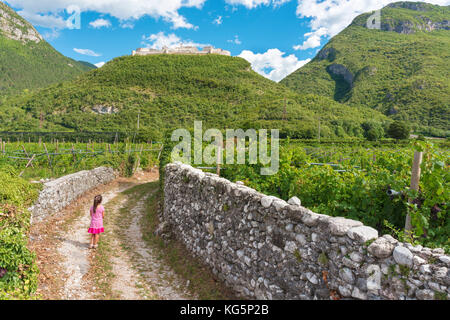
[
  {"x": 43, "y": 20},
  {"x": 127, "y": 25},
  {"x": 218, "y": 21},
  {"x": 313, "y": 39},
  {"x": 51, "y": 35},
  {"x": 87, "y": 52},
  {"x": 235, "y": 40},
  {"x": 122, "y": 10},
  {"x": 273, "y": 64},
  {"x": 100, "y": 64},
  {"x": 332, "y": 16},
  {"x": 100, "y": 23},
  {"x": 160, "y": 40},
  {"x": 251, "y": 4}
]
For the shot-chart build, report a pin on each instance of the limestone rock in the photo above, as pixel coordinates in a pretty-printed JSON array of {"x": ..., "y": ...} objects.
[
  {"x": 312, "y": 278},
  {"x": 381, "y": 248},
  {"x": 418, "y": 261},
  {"x": 310, "y": 218},
  {"x": 356, "y": 256},
  {"x": 425, "y": 294},
  {"x": 339, "y": 226},
  {"x": 362, "y": 234},
  {"x": 357, "y": 294},
  {"x": 295, "y": 201},
  {"x": 445, "y": 259},
  {"x": 425, "y": 268},
  {"x": 347, "y": 275},
  {"x": 403, "y": 256},
  {"x": 374, "y": 277},
  {"x": 279, "y": 204},
  {"x": 291, "y": 246},
  {"x": 345, "y": 291},
  {"x": 267, "y": 201}
]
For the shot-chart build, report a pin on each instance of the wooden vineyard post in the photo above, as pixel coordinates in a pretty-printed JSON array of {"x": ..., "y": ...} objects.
[
  {"x": 26, "y": 153},
  {"x": 415, "y": 179},
  {"x": 73, "y": 153},
  {"x": 48, "y": 156},
  {"x": 28, "y": 164},
  {"x": 1, "y": 145},
  {"x": 57, "y": 146},
  {"x": 138, "y": 163},
  {"x": 160, "y": 151}
]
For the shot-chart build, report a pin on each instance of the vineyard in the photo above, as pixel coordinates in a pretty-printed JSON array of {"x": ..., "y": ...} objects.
[
  {"x": 41, "y": 160},
  {"x": 371, "y": 185},
  {"x": 20, "y": 164},
  {"x": 361, "y": 181}
]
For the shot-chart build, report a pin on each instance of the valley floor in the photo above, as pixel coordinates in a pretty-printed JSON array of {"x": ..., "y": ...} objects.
[{"x": 126, "y": 265}]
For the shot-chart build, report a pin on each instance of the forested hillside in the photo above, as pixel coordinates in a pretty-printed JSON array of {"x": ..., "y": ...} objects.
[
  {"x": 171, "y": 91},
  {"x": 27, "y": 61},
  {"x": 402, "y": 70}
]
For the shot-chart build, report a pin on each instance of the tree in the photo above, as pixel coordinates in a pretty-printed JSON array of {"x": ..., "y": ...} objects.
[
  {"x": 399, "y": 130},
  {"x": 372, "y": 130}
]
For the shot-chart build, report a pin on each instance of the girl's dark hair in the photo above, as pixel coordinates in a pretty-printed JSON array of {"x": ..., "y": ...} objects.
[{"x": 97, "y": 200}]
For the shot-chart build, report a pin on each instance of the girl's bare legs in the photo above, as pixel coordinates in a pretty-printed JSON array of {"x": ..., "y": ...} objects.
[
  {"x": 97, "y": 237},
  {"x": 92, "y": 241}
]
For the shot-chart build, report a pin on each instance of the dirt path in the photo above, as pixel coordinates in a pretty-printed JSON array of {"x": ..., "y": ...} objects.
[
  {"x": 155, "y": 280},
  {"x": 75, "y": 251},
  {"x": 64, "y": 257}
]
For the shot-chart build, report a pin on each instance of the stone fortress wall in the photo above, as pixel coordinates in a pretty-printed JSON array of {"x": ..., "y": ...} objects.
[
  {"x": 266, "y": 248},
  {"x": 181, "y": 50}
]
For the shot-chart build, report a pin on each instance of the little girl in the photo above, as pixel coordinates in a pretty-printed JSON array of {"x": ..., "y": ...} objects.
[{"x": 96, "y": 227}]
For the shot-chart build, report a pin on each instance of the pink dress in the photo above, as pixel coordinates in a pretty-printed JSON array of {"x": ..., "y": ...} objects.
[{"x": 96, "y": 226}]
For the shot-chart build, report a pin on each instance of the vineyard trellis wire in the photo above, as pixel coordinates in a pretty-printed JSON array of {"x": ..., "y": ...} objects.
[
  {"x": 17, "y": 155},
  {"x": 104, "y": 136}
]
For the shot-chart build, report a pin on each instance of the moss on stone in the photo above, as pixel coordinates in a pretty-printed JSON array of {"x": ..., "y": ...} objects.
[
  {"x": 323, "y": 259},
  {"x": 298, "y": 256},
  {"x": 440, "y": 295}
]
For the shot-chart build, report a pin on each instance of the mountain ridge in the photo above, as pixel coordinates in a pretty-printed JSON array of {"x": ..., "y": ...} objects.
[
  {"x": 27, "y": 61},
  {"x": 401, "y": 70}
]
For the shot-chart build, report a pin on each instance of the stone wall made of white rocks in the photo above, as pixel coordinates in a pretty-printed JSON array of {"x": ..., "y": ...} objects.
[
  {"x": 266, "y": 248},
  {"x": 59, "y": 193}
]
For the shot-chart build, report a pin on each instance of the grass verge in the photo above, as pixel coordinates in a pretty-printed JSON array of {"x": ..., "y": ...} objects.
[{"x": 202, "y": 281}]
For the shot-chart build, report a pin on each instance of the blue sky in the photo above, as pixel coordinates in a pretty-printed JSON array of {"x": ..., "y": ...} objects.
[{"x": 276, "y": 36}]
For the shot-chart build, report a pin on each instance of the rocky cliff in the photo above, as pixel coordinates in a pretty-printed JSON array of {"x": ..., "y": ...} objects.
[{"x": 14, "y": 27}]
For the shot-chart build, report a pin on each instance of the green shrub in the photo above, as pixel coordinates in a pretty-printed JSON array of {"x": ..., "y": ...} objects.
[{"x": 399, "y": 130}]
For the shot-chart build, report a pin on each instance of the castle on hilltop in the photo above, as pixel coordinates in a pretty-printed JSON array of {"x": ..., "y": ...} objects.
[{"x": 181, "y": 50}]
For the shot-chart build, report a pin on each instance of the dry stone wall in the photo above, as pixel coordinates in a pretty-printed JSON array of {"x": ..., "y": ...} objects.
[
  {"x": 59, "y": 193},
  {"x": 266, "y": 248}
]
